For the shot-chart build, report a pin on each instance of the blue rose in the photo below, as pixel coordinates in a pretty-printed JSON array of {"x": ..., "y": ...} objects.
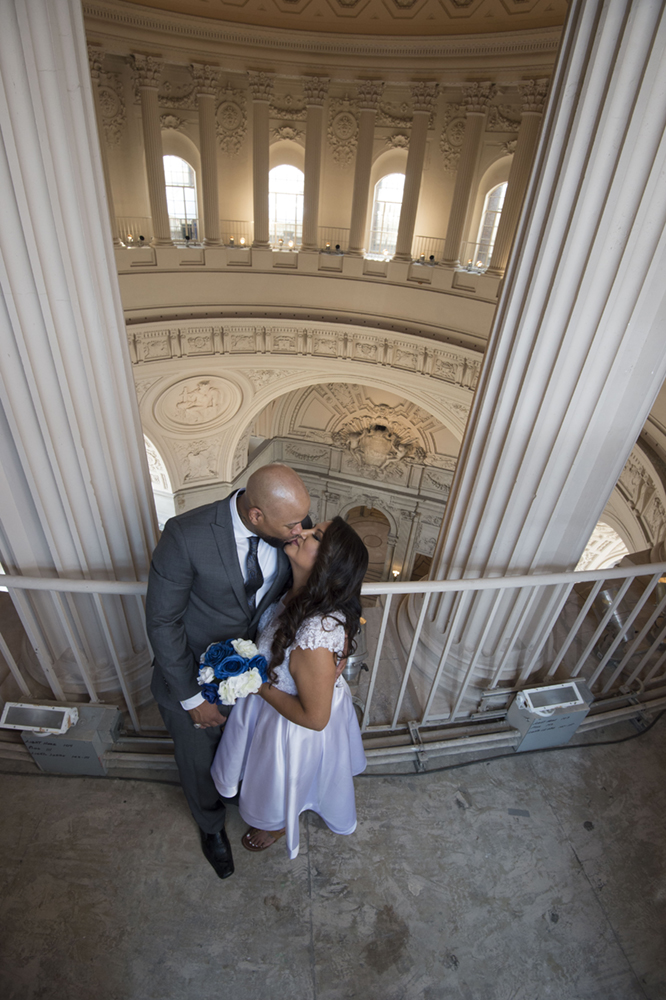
[
  {"x": 259, "y": 662},
  {"x": 209, "y": 691},
  {"x": 216, "y": 653},
  {"x": 230, "y": 666}
]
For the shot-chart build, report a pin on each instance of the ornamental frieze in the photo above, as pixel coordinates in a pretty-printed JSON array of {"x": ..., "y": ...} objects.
[{"x": 342, "y": 130}]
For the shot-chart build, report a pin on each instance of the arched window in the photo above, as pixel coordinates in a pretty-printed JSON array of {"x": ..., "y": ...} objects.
[
  {"x": 181, "y": 192},
  {"x": 285, "y": 205},
  {"x": 386, "y": 215},
  {"x": 492, "y": 210}
]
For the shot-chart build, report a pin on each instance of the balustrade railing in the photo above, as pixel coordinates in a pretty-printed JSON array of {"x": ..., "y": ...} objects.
[
  {"x": 607, "y": 627},
  {"x": 132, "y": 228},
  {"x": 427, "y": 247}
]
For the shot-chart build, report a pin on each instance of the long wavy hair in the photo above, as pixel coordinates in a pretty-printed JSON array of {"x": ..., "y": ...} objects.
[{"x": 333, "y": 589}]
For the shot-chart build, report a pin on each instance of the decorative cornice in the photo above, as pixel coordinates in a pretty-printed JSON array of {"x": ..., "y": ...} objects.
[
  {"x": 543, "y": 42},
  {"x": 315, "y": 89},
  {"x": 261, "y": 86},
  {"x": 534, "y": 93}
]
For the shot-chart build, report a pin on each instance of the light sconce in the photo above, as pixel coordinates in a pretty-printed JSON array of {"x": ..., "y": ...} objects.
[
  {"x": 290, "y": 244},
  {"x": 231, "y": 241},
  {"x": 242, "y": 241},
  {"x": 396, "y": 573}
]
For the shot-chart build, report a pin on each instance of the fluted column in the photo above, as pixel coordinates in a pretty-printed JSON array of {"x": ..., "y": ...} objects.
[
  {"x": 315, "y": 89},
  {"x": 369, "y": 94},
  {"x": 476, "y": 98},
  {"x": 261, "y": 88},
  {"x": 75, "y": 496},
  {"x": 95, "y": 59},
  {"x": 147, "y": 72},
  {"x": 423, "y": 97},
  {"x": 576, "y": 353},
  {"x": 206, "y": 80},
  {"x": 534, "y": 96}
]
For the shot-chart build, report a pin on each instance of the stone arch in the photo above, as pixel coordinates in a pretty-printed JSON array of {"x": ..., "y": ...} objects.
[{"x": 495, "y": 174}]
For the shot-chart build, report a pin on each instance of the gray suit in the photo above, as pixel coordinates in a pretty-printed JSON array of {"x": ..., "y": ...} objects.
[{"x": 196, "y": 596}]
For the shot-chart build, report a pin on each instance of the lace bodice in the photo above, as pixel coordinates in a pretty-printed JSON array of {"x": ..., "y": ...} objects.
[{"x": 313, "y": 634}]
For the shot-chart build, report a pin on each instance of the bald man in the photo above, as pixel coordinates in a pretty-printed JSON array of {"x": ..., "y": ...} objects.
[{"x": 205, "y": 568}]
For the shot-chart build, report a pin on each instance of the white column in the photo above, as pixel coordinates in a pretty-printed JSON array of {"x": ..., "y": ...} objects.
[
  {"x": 95, "y": 59},
  {"x": 315, "y": 89},
  {"x": 369, "y": 94},
  {"x": 75, "y": 496},
  {"x": 261, "y": 88},
  {"x": 147, "y": 72},
  {"x": 576, "y": 354},
  {"x": 476, "y": 98},
  {"x": 206, "y": 80},
  {"x": 423, "y": 98},
  {"x": 534, "y": 96}
]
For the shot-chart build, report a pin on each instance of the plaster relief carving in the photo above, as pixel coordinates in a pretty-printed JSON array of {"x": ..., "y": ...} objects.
[
  {"x": 197, "y": 341},
  {"x": 159, "y": 477},
  {"x": 112, "y": 107},
  {"x": 399, "y": 140},
  {"x": 301, "y": 453},
  {"x": 143, "y": 385},
  {"x": 509, "y": 148},
  {"x": 326, "y": 346},
  {"x": 437, "y": 481},
  {"x": 198, "y": 460},
  {"x": 378, "y": 444},
  {"x": 453, "y": 133},
  {"x": 644, "y": 495},
  {"x": 503, "y": 118},
  {"x": 172, "y": 121},
  {"x": 288, "y": 108},
  {"x": 241, "y": 453},
  {"x": 243, "y": 343},
  {"x": 197, "y": 402},
  {"x": 394, "y": 115},
  {"x": 342, "y": 130},
  {"x": 231, "y": 121},
  {"x": 179, "y": 88},
  {"x": 261, "y": 378},
  {"x": 288, "y": 133}
]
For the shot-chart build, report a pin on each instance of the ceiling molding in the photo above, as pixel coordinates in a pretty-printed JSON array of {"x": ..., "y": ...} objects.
[{"x": 164, "y": 27}]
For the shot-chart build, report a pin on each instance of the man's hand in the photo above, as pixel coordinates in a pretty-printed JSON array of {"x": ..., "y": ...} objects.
[{"x": 206, "y": 715}]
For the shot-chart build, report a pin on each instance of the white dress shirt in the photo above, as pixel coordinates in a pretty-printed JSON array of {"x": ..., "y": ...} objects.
[{"x": 268, "y": 563}]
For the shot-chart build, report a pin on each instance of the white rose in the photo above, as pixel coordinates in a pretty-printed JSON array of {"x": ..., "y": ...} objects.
[
  {"x": 245, "y": 647},
  {"x": 206, "y": 675},
  {"x": 226, "y": 692},
  {"x": 247, "y": 683}
]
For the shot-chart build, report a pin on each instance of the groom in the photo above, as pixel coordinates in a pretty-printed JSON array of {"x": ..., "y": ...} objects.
[{"x": 214, "y": 572}]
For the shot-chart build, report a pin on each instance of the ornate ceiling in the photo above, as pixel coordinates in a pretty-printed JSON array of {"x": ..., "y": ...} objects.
[{"x": 376, "y": 17}]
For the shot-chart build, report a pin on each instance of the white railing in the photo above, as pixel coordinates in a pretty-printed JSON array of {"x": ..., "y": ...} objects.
[{"x": 606, "y": 626}]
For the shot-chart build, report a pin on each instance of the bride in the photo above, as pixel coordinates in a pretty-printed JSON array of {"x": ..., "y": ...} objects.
[{"x": 297, "y": 745}]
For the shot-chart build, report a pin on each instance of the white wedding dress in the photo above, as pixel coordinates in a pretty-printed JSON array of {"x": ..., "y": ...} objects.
[{"x": 286, "y": 768}]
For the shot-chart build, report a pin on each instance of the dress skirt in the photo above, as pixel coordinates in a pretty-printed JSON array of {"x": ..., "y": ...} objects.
[{"x": 286, "y": 769}]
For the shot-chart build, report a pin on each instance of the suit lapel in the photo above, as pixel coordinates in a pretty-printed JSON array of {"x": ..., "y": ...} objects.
[{"x": 223, "y": 532}]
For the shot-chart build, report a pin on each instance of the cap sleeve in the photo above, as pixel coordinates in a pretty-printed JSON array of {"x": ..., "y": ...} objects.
[{"x": 326, "y": 632}]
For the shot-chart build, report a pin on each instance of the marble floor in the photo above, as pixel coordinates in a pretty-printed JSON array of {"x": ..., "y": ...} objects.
[{"x": 521, "y": 878}]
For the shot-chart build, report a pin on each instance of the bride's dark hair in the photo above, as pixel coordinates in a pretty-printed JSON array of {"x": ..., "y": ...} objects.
[{"x": 333, "y": 588}]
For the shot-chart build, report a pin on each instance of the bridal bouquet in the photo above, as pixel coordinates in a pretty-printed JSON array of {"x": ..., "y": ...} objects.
[{"x": 231, "y": 670}]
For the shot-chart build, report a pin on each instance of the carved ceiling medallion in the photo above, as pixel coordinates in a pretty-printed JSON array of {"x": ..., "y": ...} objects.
[{"x": 200, "y": 402}]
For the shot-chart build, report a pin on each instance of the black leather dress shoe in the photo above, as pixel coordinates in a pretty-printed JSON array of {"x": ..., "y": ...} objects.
[{"x": 217, "y": 850}]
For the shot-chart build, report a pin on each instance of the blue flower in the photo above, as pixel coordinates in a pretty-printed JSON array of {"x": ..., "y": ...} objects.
[
  {"x": 209, "y": 691},
  {"x": 230, "y": 666},
  {"x": 216, "y": 653},
  {"x": 261, "y": 665}
]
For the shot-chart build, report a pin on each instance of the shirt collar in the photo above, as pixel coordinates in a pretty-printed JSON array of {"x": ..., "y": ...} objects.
[{"x": 239, "y": 527}]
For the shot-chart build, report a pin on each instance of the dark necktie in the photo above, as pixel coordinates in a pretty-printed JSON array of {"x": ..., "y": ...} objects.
[{"x": 255, "y": 577}]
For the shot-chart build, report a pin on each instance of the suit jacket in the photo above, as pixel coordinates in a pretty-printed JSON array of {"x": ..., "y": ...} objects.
[{"x": 196, "y": 595}]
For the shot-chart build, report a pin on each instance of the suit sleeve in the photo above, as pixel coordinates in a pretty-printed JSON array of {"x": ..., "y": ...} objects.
[{"x": 169, "y": 585}]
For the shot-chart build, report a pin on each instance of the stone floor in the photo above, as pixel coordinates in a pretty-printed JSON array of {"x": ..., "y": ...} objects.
[{"x": 533, "y": 877}]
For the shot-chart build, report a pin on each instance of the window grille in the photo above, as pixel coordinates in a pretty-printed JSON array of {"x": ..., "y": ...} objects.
[{"x": 181, "y": 195}]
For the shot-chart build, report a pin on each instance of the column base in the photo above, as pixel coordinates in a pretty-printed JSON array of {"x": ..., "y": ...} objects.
[
  {"x": 260, "y": 245},
  {"x": 213, "y": 243},
  {"x": 155, "y": 242},
  {"x": 402, "y": 258},
  {"x": 452, "y": 265},
  {"x": 495, "y": 272},
  {"x": 309, "y": 248},
  {"x": 355, "y": 252}
]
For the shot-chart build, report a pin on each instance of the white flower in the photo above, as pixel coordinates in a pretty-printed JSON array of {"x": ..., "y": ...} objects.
[
  {"x": 206, "y": 675},
  {"x": 245, "y": 647},
  {"x": 239, "y": 687}
]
